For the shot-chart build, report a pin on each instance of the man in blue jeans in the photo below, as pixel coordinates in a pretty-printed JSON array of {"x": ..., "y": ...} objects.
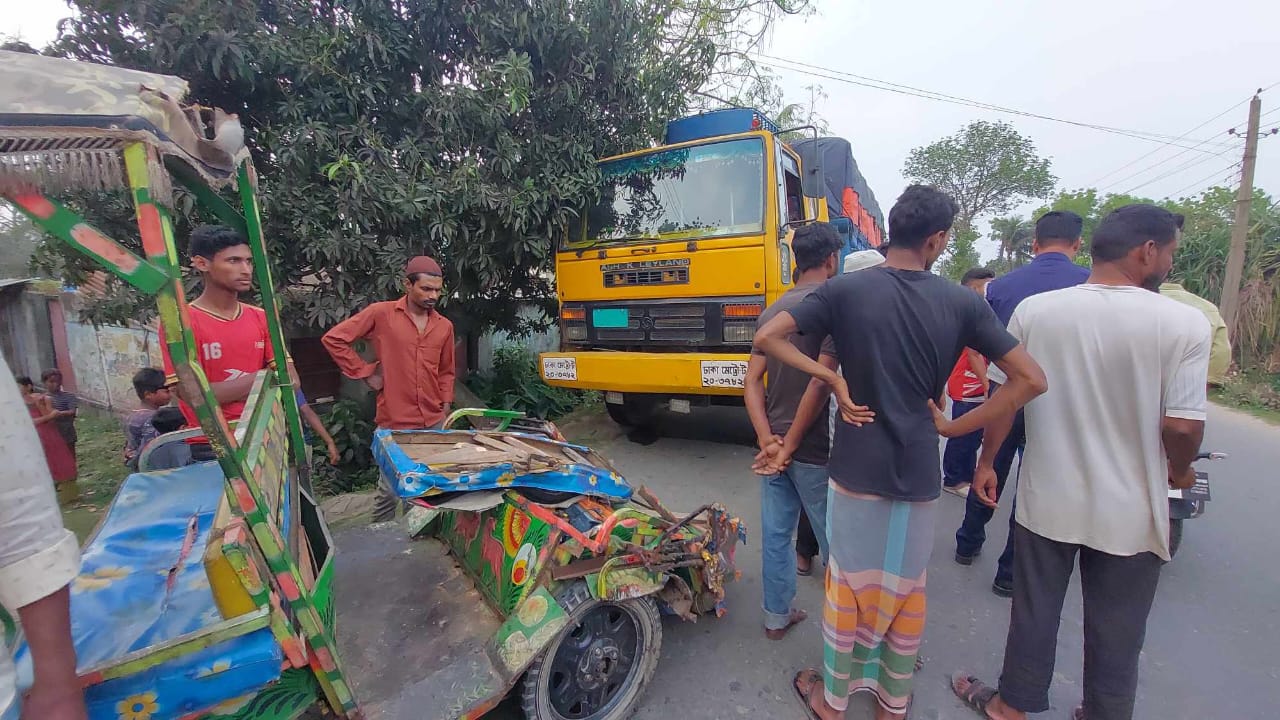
[
  {"x": 793, "y": 445},
  {"x": 1057, "y": 240}
]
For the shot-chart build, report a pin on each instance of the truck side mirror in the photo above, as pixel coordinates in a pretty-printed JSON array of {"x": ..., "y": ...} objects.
[{"x": 811, "y": 182}]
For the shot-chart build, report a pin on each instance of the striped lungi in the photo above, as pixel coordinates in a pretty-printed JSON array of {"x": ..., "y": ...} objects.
[{"x": 873, "y": 621}]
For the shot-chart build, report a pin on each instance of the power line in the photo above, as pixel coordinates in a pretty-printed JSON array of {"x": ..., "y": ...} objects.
[
  {"x": 1201, "y": 181},
  {"x": 877, "y": 84},
  {"x": 1187, "y": 165},
  {"x": 1153, "y": 152},
  {"x": 1157, "y": 164}
]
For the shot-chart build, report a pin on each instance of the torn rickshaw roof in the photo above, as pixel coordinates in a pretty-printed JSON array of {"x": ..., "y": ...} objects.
[{"x": 65, "y": 123}]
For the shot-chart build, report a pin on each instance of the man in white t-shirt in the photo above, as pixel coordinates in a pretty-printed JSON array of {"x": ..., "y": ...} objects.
[{"x": 1120, "y": 424}]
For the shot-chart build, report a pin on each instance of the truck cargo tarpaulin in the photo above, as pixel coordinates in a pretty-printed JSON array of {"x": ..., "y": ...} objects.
[{"x": 848, "y": 194}]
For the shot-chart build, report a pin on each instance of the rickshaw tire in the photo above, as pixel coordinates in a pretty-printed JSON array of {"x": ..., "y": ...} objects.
[{"x": 576, "y": 600}]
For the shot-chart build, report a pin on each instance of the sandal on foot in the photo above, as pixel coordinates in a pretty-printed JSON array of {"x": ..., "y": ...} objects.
[
  {"x": 804, "y": 571},
  {"x": 977, "y": 696},
  {"x": 796, "y": 617},
  {"x": 814, "y": 679},
  {"x": 1078, "y": 713}
]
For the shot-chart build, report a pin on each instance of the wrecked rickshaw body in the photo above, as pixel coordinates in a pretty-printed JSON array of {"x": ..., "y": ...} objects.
[{"x": 553, "y": 571}]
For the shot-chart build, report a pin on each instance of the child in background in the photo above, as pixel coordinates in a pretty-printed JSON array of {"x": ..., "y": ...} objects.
[
  {"x": 313, "y": 421},
  {"x": 64, "y": 405},
  {"x": 58, "y": 455},
  {"x": 173, "y": 454},
  {"x": 149, "y": 384}
]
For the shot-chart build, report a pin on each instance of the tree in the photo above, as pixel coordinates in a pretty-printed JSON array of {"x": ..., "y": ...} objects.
[
  {"x": 1091, "y": 207},
  {"x": 1200, "y": 263},
  {"x": 987, "y": 167},
  {"x": 962, "y": 254},
  {"x": 1013, "y": 238},
  {"x": 383, "y": 130}
]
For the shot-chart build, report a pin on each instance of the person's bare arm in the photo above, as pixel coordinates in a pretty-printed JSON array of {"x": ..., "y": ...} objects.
[
  {"x": 55, "y": 693},
  {"x": 772, "y": 340},
  {"x": 229, "y": 391},
  {"x": 753, "y": 396},
  {"x": 812, "y": 403},
  {"x": 995, "y": 416},
  {"x": 317, "y": 426},
  {"x": 1026, "y": 382},
  {"x": 45, "y": 408},
  {"x": 1182, "y": 440}
]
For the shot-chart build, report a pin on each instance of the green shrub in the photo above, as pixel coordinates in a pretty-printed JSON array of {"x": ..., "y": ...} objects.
[
  {"x": 516, "y": 384},
  {"x": 352, "y": 430}
]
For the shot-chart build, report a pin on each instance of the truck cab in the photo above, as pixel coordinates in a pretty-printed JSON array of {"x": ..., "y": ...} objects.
[{"x": 661, "y": 283}]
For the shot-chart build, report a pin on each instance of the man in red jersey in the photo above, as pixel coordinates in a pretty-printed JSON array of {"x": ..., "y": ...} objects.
[{"x": 232, "y": 341}]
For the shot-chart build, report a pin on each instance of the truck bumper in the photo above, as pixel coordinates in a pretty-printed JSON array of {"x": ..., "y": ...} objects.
[{"x": 653, "y": 373}]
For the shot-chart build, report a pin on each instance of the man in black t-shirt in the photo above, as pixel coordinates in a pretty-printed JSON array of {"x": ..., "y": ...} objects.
[
  {"x": 898, "y": 329},
  {"x": 793, "y": 445}
]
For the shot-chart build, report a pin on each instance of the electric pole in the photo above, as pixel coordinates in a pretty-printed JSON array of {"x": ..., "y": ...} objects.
[{"x": 1240, "y": 228}]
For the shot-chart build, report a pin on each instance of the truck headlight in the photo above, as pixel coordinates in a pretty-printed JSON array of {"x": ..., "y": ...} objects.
[
  {"x": 739, "y": 332},
  {"x": 575, "y": 332}
]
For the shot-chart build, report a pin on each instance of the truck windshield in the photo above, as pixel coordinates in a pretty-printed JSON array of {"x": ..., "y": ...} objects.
[{"x": 703, "y": 191}]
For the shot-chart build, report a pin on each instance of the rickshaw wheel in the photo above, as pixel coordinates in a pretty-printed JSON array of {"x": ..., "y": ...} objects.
[{"x": 597, "y": 667}]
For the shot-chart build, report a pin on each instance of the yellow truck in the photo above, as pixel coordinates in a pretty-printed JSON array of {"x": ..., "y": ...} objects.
[{"x": 662, "y": 282}]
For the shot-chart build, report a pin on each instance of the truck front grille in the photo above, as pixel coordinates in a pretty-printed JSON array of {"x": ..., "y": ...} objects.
[{"x": 663, "y": 325}]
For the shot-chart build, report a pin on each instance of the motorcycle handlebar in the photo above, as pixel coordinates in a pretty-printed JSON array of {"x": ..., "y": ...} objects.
[{"x": 1211, "y": 456}]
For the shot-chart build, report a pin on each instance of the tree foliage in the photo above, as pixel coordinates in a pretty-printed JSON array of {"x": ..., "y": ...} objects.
[
  {"x": 962, "y": 253},
  {"x": 467, "y": 130},
  {"x": 988, "y": 167},
  {"x": 1201, "y": 260},
  {"x": 1013, "y": 237}
]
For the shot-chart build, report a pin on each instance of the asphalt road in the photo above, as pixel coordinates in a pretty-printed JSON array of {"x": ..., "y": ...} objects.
[{"x": 1212, "y": 640}]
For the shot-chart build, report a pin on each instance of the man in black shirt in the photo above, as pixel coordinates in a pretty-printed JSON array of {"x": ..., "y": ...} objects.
[
  {"x": 793, "y": 446},
  {"x": 898, "y": 329}
]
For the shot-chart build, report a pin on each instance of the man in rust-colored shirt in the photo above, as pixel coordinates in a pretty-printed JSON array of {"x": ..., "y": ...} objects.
[{"x": 413, "y": 343}]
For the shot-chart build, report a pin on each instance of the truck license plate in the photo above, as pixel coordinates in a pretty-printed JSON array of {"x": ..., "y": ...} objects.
[
  {"x": 724, "y": 373},
  {"x": 554, "y": 368}
]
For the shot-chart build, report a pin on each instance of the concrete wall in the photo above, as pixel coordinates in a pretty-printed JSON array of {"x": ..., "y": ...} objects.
[
  {"x": 546, "y": 341},
  {"x": 104, "y": 360},
  {"x": 27, "y": 340}
]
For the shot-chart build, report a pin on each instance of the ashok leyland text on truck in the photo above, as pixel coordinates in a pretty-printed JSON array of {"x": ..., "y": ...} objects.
[{"x": 661, "y": 284}]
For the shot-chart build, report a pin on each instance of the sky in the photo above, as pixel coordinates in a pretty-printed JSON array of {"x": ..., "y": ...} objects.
[
  {"x": 1142, "y": 66},
  {"x": 1149, "y": 66}
]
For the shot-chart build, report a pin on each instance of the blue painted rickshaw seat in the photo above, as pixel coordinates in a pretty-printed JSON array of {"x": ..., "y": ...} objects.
[{"x": 142, "y": 583}]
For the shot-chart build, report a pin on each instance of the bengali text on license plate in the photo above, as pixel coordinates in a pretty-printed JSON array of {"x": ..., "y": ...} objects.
[
  {"x": 554, "y": 368},
  {"x": 724, "y": 373}
]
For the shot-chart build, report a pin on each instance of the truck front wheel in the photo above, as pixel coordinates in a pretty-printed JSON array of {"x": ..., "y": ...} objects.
[
  {"x": 635, "y": 411},
  {"x": 618, "y": 413}
]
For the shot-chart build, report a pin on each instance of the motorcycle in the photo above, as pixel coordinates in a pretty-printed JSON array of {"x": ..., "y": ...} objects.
[{"x": 1188, "y": 504}]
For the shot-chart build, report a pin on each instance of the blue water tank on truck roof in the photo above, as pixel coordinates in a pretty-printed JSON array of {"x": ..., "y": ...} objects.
[{"x": 729, "y": 121}]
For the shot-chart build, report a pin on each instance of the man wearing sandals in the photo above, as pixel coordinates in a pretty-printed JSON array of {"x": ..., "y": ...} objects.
[
  {"x": 793, "y": 444},
  {"x": 1132, "y": 364},
  {"x": 898, "y": 330}
]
